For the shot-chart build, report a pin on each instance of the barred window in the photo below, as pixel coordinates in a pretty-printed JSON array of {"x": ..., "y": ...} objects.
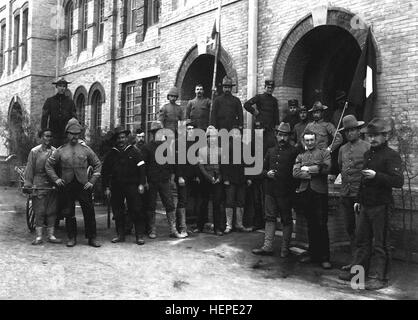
[
  {"x": 97, "y": 111},
  {"x": 152, "y": 100},
  {"x": 129, "y": 106},
  {"x": 81, "y": 109}
]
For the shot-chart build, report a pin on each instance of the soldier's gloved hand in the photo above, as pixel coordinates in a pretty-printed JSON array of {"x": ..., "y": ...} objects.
[
  {"x": 270, "y": 174},
  {"x": 357, "y": 208},
  {"x": 226, "y": 183},
  {"x": 88, "y": 185},
  {"x": 182, "y": 182},
  {"x": 108, "y": 194},
  {"x": 60, "y": 182},
  {"x": 141, "y": 189}
]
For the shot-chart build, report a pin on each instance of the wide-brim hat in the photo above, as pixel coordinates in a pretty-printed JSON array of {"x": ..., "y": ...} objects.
[
  {"x": 155, "y": 126},
  {"x": 318, "y": 106},
  {"x": 377, "y": 125},
  {"x": 350, "y": 122},
  {"x": 227, "y": 81},
  {"x": 120, "y": 130},
  {"x": 73, "y": 126},
  {"x": 61, "y": 81},
  {"x": 283, "y": 127}
]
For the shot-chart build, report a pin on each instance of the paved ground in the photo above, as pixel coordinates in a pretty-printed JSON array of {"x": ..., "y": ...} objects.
[{"x": 200, "y": 267}]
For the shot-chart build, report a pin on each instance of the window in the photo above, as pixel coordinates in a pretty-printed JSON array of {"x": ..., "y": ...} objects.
[
  {"x": 69, "y": 15},
  {"x": 2, "y": 48},
  {"x": 131, "y": 12},
  {"x": 129, "y": 119},
  {"x": 25, "y": 17},
  {"x": 81, "y": 109},
  {"x": 153, "y": 12},
  {"x": 16, "y": 40},
  {"x": 151, "y": 100},
  {"x": 97, "y": 111},
  {"x": 84, "y": 23},
  {"x": 100, "y": 21}
]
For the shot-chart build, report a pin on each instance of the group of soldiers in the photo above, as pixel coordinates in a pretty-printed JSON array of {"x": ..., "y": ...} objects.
[{"x": 297, "y": 160}]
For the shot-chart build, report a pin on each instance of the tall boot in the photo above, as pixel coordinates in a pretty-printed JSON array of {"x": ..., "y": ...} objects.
[
  {"x": 229, "y": 213},
  {"x": 120, "y": 231},
  {"x": 152, "y": 230},
  {"x": 51, "y": 236},
  {"x": 38, "y": 239},
  {"x": 183, "y": 225},
  {"x": 71, "y": 226},
  {"x": 267, "y": 248},
  {"x": 238, "y": 223},
  {"x": 171, "y": 218},
  {"x": 287, "y": 236}
]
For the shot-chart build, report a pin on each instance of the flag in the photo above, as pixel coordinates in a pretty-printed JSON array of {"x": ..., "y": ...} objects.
[
  {"x": 215, "y": 36},
  {"x": 363, "y": 91}
]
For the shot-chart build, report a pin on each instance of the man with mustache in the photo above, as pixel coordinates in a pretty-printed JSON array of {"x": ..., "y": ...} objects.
[{"x": 198, "y": 109}]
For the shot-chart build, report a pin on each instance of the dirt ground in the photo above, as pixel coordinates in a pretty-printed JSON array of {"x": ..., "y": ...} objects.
[{"x": 202, "y": 266}]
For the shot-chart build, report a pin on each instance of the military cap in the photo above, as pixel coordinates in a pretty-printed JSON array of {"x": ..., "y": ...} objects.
[
  {"x": 303, "y": 108},
  {"x": 283, "y": 127},
  {"x": 120, "y": 130},
  {"x": 350, "y": 122},
  {"x": 377, "y": 125},
  {"x": 293, "y": 102},
  {"x": 318, "y": 106},
  {"x": 139, "y": 131},
  {"x": 41, "y": 132},
  {"x": 227, "y": 81},
  {"x": 73, "y": 126},
  {"x": 173, "y": 92},
  {"x": 61, "y": 81}
]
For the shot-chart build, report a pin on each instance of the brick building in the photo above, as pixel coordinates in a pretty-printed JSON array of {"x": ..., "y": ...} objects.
[{"x": 123, "y": 55}]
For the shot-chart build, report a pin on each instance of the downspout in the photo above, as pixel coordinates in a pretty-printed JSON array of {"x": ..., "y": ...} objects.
[
  {"x": 113, "y": 86},
  {"x": 252, "y": 54}
]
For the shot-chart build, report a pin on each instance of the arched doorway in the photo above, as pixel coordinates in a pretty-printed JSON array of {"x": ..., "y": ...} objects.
[{"x": 314, "y": 62}]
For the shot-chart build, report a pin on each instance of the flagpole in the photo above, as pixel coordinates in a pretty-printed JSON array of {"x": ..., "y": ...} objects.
[
  {"x": 217, "y": 45},
  {"x": 338, "y": 126}
]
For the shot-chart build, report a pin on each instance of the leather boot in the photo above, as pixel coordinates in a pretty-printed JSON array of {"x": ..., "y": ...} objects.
[
  {"x": 267, "y": 248},
  {"x": 71, "y": 226},
  {"x": 287, "y": 236},
  {"x": 94, "y": 243},
  {"x": 38, "y": 239},
  {"x": 171, "y": 218},
  {"x": 139, "y": 240},
  {"x": 120, "y": 231},
  {"x": 229, "y": 213},
  {"x": 151, "y": 225},
  {"x": 238, "y": 223},
  {"x": 183, "y": 225},
  {"x": 51, "y": 236}
]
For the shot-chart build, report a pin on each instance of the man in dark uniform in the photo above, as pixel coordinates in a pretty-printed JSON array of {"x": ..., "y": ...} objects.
[
  {"x": 266, "y": 113},
  {"x": 292, "y": 116},
  {"x": 198, "y": 109},
  {"x": 280, "y": 186},
  {"x": 123, "y": 179},
  {"x": 227, "y": 109},
  {"x": 300, "y": 127},
  {"x": 56, "y": 113},
  {"x": 74, "y": 158},
  {"x": 382, "y": 171}
]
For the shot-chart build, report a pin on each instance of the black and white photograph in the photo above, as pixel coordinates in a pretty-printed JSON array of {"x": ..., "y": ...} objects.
[{"x": 208, "y": 154}]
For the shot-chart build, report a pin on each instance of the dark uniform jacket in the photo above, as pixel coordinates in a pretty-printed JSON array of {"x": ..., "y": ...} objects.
[
  {"x": 198, "y": 111},
  {"x": 267, "y": 107},
  {"x": 227, "y": 112},
  {"x": 234, "y": 173},
  {"x": 122, "y": 167},
  {"x": 298, "y": 132},
  {"x": 280, "y": 159},
  {"x": 387, "y": 164},
  {"x": 169, "y": 115},
  {"x": 187, "y": 171},
  {"x": 155, "y": 172},
  {"x": 56, "y": 112},
  {"x": 292, "y": 120},
  {"x": 325, "y": 132}
]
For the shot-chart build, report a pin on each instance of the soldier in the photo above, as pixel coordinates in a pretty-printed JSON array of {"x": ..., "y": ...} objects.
[
  {"x": 382, "y": 171},
  {"x": 123, "y": 179},
  {"x": 300, "y": 127},
  {"x": 74, "y": 158},
  {"x": 350, "y": 162},
  {"x": 211, "y": 184},
  {"x": 57, "y": 111},
  {"x": 292, "y": 116},
  {"x": 266, "y": 113},
  {"x": 44, "y": 201},
  {"x": 280, "y": 186},
  {"x": 234, "y": 181},
  {"x": 171, "y": 112},
  {"x": 324, "y": 130},
  {"x": 312, "y": 167},
  {"x": 227, "y": 109},
  {"x": 198, "y": 109},
  {"x": 159, "y": 178}
]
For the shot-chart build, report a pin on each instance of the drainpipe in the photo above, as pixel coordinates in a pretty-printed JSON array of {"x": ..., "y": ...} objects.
[
  {"x": 252, "y": 54},
  {"x": 113, "y": 86}
]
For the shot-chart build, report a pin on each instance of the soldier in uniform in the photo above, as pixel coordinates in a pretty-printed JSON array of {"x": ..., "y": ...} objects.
[
  {"x": 300, "y": 127},
  {"x": 382, "y": 171},
  {"x": 292, "y": 116},
  {"x": 312, "y": 167},
  {"x": 171, "y": 112},
  {"x": 57, "y": 111},
  {"x": 159, "y": 178},
  {"x": 266, "y": 113},
  {"x": 280, "y": 186},
  {"x": 227, "y": 109},
  {"x": 324, "y": 130},
  {"x": 44, "y": 201},
  {"x": 350, "y": 162},
  {"x": 74, "y": 158},
  {"x": 123, "y": 179},
  {"x": 198, "y": 109}
]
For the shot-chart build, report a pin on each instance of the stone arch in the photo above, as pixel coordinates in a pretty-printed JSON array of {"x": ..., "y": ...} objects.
[
  {"x": 96, "y": 86},
  {"x": 224, "y": 58},
  {"x": 80, "y": 100}
]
